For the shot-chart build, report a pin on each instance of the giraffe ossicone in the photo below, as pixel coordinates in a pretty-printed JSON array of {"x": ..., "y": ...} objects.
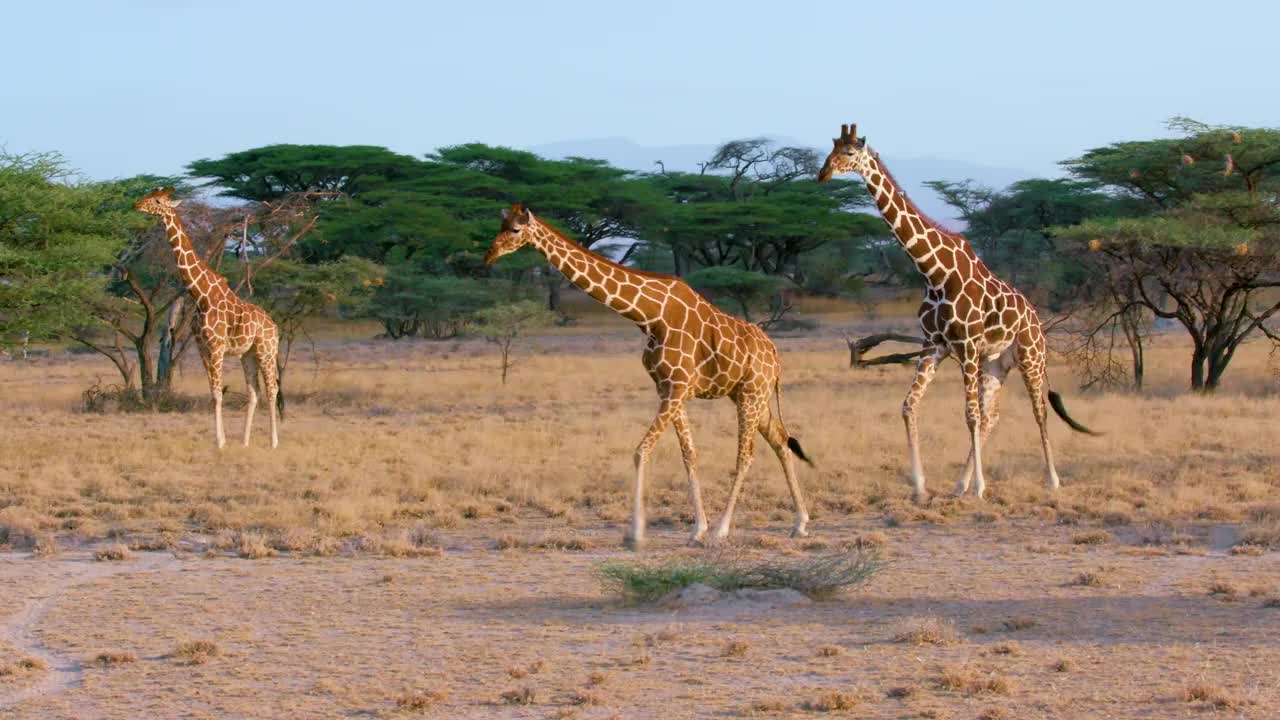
[
  {"x": 693, "y": 350},
  {"x": 225, "y": 324},
  {"x": 968, "y": 313}
]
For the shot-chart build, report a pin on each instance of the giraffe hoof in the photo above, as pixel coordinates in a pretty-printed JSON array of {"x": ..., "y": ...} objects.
[
  {"x": 799, "y": 533},
  {"x": 921, "y": 498},
  {"x": 697, "y": 541},
  {"x": 632, "y": 542}
]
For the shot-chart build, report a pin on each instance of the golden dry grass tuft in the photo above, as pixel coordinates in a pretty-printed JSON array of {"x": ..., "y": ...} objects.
[
  {"x": 831, "y": 701},
  {"x": 1212, "y": 695},
  {"x": 1091, "y": 537},
  {"x": 115, "y": 553},
  {"x": 766, "y": 706},
  {"x": 108, "y": 658},
  {"x": 972, "y": 681},
  {"x": 827, "y": 651},
  {"x": 526, "y": 695},
  {"x": 736, "y": 648},
  {"x": 927, "y": 631},
  {"x": 420, "y": 700},
  {"x": 197, "y": 652}
]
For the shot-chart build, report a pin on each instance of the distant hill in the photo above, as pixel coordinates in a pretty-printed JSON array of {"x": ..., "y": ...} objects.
[{"x": 910, "y": 171}]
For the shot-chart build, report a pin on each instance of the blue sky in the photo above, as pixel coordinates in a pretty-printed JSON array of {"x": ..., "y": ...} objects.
[{"x": 128, "y": 87}]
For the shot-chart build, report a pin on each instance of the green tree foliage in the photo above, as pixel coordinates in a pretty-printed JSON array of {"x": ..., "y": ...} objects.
[
  {"x": 274, "y": 171},
  {"x": 409, "y": 303},
  {"x": 293, "y": 292},
  {"x": 1210, "y": 250},
  {"x": 748, "y": 290},
  {"x": 1010, "y": 228},
  {"x": 58, "y": 238},
  {"x": 505, "y": 324},
  {"x": 755, "y": 207}
]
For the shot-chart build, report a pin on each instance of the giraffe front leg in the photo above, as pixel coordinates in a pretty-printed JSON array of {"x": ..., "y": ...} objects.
[
  {"x": 250, "y": 366},
  {"x": 749, "y": 411},
  {"x": 973, "y": 416},
  {"x": 215, "y": 388},
  {"x": 635, "y": 538},
  {"x": 690, "y": 456},
  {"x": 925, "y": 370}
]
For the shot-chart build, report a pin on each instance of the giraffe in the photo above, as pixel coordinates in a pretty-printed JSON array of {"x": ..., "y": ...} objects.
[
  {"x": 967, "y": 312},
  {"x": 226, "y": 325},
  {"x": 693, "y": 350}
]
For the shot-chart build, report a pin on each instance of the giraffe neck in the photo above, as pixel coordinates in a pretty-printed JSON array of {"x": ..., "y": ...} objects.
[
  {"x": 609, "y": 283},
  {"x": 196, "y": 275},
  {"x": 917, "y": 234}
]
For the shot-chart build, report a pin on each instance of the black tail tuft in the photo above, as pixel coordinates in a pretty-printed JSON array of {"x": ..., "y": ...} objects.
[
  {"x": 1055, "y": 400},
  {"x": 794, "y": 444},
  {"x": 280, "y": 390}
]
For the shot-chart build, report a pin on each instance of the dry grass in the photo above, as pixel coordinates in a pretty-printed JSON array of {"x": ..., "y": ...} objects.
[
  {"x": 455, "y": 452},
  {"x": 1089, "y": 578},
  {"x": 972, "y": 681},
  {"x": 830, "y": 651},
  {"x": 115, "y": 553},
  {"x": 420, "y": 700},
  {"x": 831, "y": 701},
  {"x": 1064, "y": 665},
  {"x": 736, "y": 648},
  {"x": 197, "y": 652},
  {"x": 114, "y": 657},
  {"x": 1223, "y": 589},
  {"x": 766, "y": 706},
  {"x": 1091, "y": 537},
  {"x": 1215, "y": 696},
  {"x": 927, "y": 631},
  {"x": 1014, "y": 624},
  {"x": 526, "y": 695}
]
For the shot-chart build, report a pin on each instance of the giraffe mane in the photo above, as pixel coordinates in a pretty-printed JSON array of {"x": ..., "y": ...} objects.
[
  {"x": 616, "y": 265},
  {"x": 929, "y": 222}
]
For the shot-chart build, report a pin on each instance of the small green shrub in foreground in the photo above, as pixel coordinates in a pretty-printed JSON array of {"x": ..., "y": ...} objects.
[{"x": 816, "y": 576}]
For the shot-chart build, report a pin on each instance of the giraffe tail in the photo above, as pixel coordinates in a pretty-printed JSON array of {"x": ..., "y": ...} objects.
[
  {"x": 792, "y": 443},
  {"x": 1055, "y": 400},
  {"x": 279, "y": 388}
]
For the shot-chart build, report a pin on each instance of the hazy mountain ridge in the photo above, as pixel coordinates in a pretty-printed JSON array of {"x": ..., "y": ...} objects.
[{"x": 912, "y": 172}]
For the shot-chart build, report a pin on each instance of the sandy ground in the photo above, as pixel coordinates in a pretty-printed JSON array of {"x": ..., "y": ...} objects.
[{"x": 352, "y": 636}]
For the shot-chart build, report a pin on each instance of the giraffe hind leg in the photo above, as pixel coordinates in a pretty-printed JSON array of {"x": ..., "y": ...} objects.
[
  {"x": 1033, "y": 374},
  {"x": 270, "y": 379},
  {"x": 250, "y": 364},
  {"x": 214, "y": 365},
  {"x": 776, "y": 435}
]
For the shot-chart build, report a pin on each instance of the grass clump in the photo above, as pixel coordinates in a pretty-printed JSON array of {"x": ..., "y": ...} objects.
[
  {"x": 197, "y": 652},
  {"x": 817, "y": 576},
  {"x": 418, "y": 701},
  {"x": 115, "y": 657}
]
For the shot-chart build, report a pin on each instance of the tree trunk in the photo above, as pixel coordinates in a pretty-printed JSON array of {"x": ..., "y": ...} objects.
[
  {"x": 165, "y": 359},
  {"x": 554, "y": 284},
  {"x": 1198, "y": 360}
]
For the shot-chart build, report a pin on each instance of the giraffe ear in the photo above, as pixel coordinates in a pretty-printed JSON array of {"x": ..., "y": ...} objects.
[
  {"x": 862, "y": 141},
  {"x": 526, "y": 216},
  {"x": 175, "y": 203},
  {"x": 506, "y": 213}
]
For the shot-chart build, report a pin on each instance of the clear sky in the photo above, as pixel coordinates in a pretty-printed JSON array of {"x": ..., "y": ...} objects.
[{"x": 146, "y": 86}]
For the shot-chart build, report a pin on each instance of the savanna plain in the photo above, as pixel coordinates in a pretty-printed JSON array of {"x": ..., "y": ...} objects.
[{"x": 427, "y": 541}]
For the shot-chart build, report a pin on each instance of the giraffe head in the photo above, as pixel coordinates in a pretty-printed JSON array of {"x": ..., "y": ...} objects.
[
  {"x": 513, "y": 234},
  {"x": 850, "y": 154},
  {"x": 157, "y": 202}
]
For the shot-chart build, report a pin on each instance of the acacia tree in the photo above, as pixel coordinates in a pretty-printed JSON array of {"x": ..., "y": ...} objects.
[
  {"x": 58, "y": 234},
  {"x": 754, "y": 206},
  {"x": 1210, "y": 250}
]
